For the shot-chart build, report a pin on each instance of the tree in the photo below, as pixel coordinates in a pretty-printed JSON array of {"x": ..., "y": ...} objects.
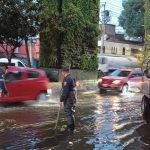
[
  {"x": 18, "y": 21},
  {"x": 147, "y": 28},
  {"x": 132, "y": 18},
  {"x": 76, "y": 25}
]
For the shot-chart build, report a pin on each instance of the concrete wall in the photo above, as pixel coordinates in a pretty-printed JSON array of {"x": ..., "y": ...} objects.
[
  {"x": 81, "y": 75},
  {"x": 110, "y": 46},
  {"x": 55, "y": 75}
]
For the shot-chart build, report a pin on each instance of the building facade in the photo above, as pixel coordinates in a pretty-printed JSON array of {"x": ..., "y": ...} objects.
[
  {"x": 20, "y": 52},
  {"x": 115, "y": 44}
]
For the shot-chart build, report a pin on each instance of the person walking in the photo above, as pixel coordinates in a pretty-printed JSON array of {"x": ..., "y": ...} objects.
[
  {"x": 3, "y": 88},
  {"x": 68, "y": 98}
]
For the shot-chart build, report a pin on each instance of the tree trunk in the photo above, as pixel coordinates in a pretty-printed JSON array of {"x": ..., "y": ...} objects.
[
  {"x": 59, "y": 34},
  {"x": 27, "y": 51},
  {"x": 8, "y": 57}
]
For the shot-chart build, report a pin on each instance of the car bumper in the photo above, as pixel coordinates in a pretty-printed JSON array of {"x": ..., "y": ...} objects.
[{"x": 110, "y": 87}]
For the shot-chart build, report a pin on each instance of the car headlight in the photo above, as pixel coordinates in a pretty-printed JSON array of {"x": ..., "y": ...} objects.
[
  {"x": 116, "y": 81},
  {"x": 49, "y": 91},
  {"x": 99, "y": 80}
]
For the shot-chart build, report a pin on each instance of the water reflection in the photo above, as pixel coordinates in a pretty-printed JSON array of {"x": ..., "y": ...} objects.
[
  {"x": 116, "y": 119},
  {"x": 103, "y": 122}
]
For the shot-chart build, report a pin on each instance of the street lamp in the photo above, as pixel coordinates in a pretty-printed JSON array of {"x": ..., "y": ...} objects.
[{"x": 103, "y": 31}]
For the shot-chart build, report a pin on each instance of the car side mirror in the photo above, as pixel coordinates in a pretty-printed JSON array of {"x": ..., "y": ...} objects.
[{"x": 132, "y": 76}]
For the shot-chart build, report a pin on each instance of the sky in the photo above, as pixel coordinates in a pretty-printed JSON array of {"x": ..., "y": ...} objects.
[{"x": 115, "y": 8}]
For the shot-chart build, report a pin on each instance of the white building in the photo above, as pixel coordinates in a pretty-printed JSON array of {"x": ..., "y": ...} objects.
[{"x": 115, "y": 44}]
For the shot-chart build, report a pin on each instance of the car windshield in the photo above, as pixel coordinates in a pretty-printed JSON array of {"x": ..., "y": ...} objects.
[{"x": 120, "y": 73}]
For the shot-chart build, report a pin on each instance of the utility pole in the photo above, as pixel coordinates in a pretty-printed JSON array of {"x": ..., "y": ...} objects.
[
  {"x": 103, "y": 29},
  {"x": 30, "y": 50},
  {"x": 27, "y": 51}
]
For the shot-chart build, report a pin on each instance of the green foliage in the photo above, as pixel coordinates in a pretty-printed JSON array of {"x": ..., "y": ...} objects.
[
  {"x": 78, "y": 25},
  {"x": 89, "y": 62},
  {"x": 49, "y": 29},
  {"x": 18, "y": 21},
  {"x": 147, "y": 28},
  {"x": 147, "y": 14},
  {"x": 52, "y": 74},
  {"x": 132, "y": 18}
]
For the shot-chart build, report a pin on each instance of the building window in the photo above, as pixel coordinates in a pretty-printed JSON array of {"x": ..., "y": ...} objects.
[
  {"x": 113, "y": 50},
  {"x": 123, "y": 51}
]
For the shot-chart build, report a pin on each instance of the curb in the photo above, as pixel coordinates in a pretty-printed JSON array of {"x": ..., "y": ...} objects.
[{"x": 81, "y": 85}]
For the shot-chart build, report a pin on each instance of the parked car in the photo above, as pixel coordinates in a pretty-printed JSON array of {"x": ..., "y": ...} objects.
[
  {"x": 25, "y": 84},
  {"x": 121, "y": 80},
  {"x": 14, "y": 62}
]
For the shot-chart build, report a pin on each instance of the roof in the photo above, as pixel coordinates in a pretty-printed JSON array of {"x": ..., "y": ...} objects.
[
  {"x": 119, "y": 39},
  {"x": 24, "y": 69},
  {"x": 129, "y": 69}
]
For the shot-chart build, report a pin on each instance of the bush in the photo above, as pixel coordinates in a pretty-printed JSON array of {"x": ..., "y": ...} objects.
[
  {"x": 89, "y": 62},
  {"x": 66, "y": 37},
  {"x": 52, "y": 74}
]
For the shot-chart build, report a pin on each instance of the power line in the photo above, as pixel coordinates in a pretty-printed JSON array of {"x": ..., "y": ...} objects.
[
  {"x": 103, "y": 29},
  {"x": 114, "y": 6},
  {"x": 113, "y": 10},
  {"x": 116, "y": 15}
]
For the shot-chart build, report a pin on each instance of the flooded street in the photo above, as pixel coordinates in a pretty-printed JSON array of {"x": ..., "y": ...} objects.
[{"x": 103, "y": 122}]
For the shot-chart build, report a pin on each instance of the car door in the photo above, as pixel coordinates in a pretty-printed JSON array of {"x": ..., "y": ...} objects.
[
  {"x": 32, "y": 84},
  {"x": 15, "y": 85},
  {"x": 135, "y": 79}
]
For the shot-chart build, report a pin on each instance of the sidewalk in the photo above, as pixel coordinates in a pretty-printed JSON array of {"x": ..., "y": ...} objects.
[{"x": 82, "y": 84}]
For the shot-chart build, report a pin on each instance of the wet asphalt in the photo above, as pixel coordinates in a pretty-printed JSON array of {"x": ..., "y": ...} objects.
[{"x": 110, "y": 121}]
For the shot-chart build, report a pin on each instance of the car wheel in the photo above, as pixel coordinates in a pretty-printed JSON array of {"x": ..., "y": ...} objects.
[
  {"x": 124, "y": 88},
  {"x": 145, "y": 108},
  {"x": 42, "y": 96},
  {"x": 102, "y": 91}
]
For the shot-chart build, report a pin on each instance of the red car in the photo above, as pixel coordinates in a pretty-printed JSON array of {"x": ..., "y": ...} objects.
[
  {"x": 121, "y": 80},
  {"x": 25, "y": 84}
]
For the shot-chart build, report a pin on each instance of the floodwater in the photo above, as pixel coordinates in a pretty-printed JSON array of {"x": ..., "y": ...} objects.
[{"x": 103, "y": 122}]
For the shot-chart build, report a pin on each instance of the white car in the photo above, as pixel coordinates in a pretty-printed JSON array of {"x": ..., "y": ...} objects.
[
  {"x": 108, "y": 64},
  {"x": 14, "y": 62}
]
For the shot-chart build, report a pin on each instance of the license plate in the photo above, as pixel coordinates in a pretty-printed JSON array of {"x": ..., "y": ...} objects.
[{"x": 105, "y": 85}]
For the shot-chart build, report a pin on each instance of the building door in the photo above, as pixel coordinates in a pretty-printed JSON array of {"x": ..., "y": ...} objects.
[{"x": 123, "y": 51}]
